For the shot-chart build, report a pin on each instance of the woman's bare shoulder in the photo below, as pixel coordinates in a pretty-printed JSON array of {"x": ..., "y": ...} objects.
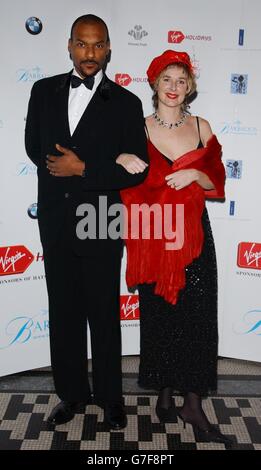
[
  {"x": 149, "y": 118},
  {"x": 205, "y": 130},
  {"x": 150, "y": 122}
]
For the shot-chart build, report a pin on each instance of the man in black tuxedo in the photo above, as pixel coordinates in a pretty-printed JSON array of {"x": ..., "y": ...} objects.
[{"x": 86, "y": 136}]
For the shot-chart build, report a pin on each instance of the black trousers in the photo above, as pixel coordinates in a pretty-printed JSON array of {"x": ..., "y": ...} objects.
[{"x": 81, "y": 289}]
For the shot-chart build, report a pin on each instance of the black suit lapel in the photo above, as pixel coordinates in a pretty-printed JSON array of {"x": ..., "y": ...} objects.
[{"x": 61, "y": 108}]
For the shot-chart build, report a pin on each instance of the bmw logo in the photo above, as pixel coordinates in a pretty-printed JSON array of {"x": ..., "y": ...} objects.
[
  {"x": 32, "y": 211},
  {"x": 33, "y": 25}
]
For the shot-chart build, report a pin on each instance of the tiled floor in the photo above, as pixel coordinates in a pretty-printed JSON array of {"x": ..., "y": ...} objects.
[
  {"x": 27, "y": 399},
  {"x": 23, "y": 425}
]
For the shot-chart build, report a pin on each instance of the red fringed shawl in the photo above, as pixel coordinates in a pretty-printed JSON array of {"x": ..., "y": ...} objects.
[{"x": 148, "y": 259}]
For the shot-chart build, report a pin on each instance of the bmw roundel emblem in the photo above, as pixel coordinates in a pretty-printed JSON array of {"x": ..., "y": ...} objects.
[
  {"x": 32, "y": 211},
  {"x": 33, "y": 25}
]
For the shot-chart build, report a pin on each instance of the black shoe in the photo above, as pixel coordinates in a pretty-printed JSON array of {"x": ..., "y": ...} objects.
[
  {"x": 63, "y": 412},
  {"x": 115, "y": 416},
  {"x": 212, "y": 434},
  {"x": 167, "y": 415}
]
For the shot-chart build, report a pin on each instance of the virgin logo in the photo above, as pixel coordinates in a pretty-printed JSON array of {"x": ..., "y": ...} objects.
[
  {"x": 14, "y": 259},
  {"x": 129, "y": 307},
  {"x": 123, "y": 79},
  {"x": 249, "y": 255},
  {"x": 175, "y": 36}
]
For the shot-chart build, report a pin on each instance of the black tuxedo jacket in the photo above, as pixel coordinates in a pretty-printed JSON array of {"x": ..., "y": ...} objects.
[{"x": 112, "y": 123}]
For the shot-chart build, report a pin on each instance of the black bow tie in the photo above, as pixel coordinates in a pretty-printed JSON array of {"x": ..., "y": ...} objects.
[{"x": 77, "y": 81}]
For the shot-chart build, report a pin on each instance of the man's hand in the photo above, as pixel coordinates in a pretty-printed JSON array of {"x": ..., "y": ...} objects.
[
  {"x": 131, "y": 163},
  {"x": 66, "y": 165}
]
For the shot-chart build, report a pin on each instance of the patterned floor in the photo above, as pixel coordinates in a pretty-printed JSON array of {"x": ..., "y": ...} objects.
[{"x": 23, "y": 425}]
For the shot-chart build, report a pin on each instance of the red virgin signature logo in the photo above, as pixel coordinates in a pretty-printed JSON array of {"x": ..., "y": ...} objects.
[
  {"x": 175, "y": 36},
  {"x": 249, "y": 255},
  {"x": 14, "y": 259},
  {"x": 129, "y": 307},
  {"x": 123, "y": 79}
]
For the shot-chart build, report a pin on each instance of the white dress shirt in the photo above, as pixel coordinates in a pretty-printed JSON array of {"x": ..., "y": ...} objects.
[{"x": 79, "y": 98}]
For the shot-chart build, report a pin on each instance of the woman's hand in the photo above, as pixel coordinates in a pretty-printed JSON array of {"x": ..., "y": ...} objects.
[
  {"x": 131, "y": 163},
  {"x": 182, "y": 178}
]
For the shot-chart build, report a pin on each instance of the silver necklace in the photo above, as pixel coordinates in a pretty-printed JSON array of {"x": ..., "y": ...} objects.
[{"x": 169, "y": 125}]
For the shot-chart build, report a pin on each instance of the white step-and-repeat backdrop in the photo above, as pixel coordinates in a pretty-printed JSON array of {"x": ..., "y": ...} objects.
[{"x": 224, "y": 40}]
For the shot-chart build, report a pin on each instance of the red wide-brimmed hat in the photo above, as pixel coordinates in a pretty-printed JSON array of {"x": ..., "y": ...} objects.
[{"x": 167, "y": 58}]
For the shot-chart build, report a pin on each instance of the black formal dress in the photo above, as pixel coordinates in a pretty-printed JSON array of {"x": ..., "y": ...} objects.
[
  {"x": 83, "y": 276},
  {"x": 178, "y": 345}
]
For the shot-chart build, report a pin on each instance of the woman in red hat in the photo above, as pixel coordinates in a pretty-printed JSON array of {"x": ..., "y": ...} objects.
[{"x": 177, "y": 281}]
